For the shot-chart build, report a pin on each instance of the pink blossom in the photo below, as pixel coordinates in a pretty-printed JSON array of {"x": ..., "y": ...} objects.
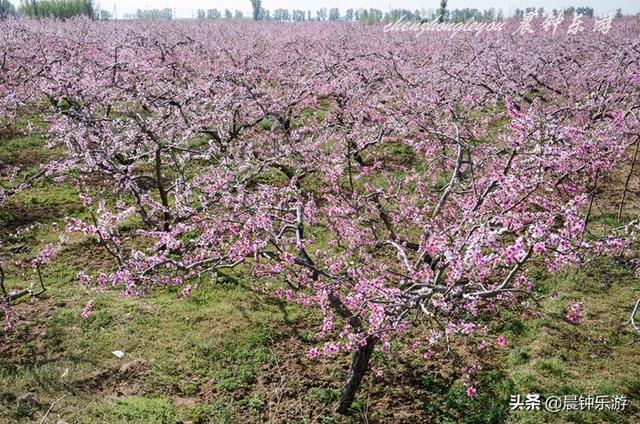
[
  {"x": 501, "y": 341},
  {"x": 575, "y": 312},
  {"x": 471, "y": 391},
  {"x": 186, "y": 292},
  {"x": 86, "y": 311}
]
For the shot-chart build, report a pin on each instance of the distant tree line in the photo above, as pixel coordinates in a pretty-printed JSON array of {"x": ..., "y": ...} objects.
[
  {"x": 153, "y": 14},
  {"x": 57, "y": 8},
  {"x": 68, "y": 8},
  {"x": 213, "y": 14},
  {"x": 540, "y": 12},
  {"x": 372, "y": 15}
]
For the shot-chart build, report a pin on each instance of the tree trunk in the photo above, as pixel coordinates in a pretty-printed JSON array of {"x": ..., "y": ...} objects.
[
  {"x": 163, "y": 193},
  {"x": 359, "y": 367}
]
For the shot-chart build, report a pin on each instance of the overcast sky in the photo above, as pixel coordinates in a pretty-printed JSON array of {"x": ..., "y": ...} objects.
[{"x": 185, "y": 8}]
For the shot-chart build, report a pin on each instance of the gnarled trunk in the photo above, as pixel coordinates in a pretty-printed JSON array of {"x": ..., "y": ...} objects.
[
  {"x": 359, "y": 367},
  {"x": 166, "y": 217}
]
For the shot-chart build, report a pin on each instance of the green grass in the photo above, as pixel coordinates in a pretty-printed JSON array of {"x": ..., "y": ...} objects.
[{"x": 217, "y": 336}]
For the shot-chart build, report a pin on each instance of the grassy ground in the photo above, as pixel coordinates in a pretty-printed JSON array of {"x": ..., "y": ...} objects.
[{"x": 229, "y": 355}]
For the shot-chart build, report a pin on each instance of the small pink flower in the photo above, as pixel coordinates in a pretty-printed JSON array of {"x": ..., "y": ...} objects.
[
  {"x": 186, "y": 292},
  {"x": 471, "y": 391},
  {"x": 330, "y": 348},
  {"x": 313, "y": 353},
  {"x": 539, "y": 247},
  {"x": 575, "y": 312},
  {"x": 87, "y": 309},
  {"x": 502, "y": 342}
]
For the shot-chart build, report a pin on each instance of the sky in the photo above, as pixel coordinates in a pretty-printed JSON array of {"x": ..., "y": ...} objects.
[{"x": 185, "y": 8}]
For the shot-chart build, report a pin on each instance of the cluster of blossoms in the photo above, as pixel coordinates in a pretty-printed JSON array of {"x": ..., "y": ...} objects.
[
  {"x": 384, "y": 180},
  {"x": 575, "y": 312}
]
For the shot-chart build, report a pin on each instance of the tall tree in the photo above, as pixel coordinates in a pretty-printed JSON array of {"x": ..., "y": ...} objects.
[
  {"x": 442, "y": 11},
  {"x": 257, "y": 10},
  {"x": 348, "y": 15},
  {"x": 6, "y": 9},
  {"x": 321, "y": 14},
  {"x": 334, "y": 14}
]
